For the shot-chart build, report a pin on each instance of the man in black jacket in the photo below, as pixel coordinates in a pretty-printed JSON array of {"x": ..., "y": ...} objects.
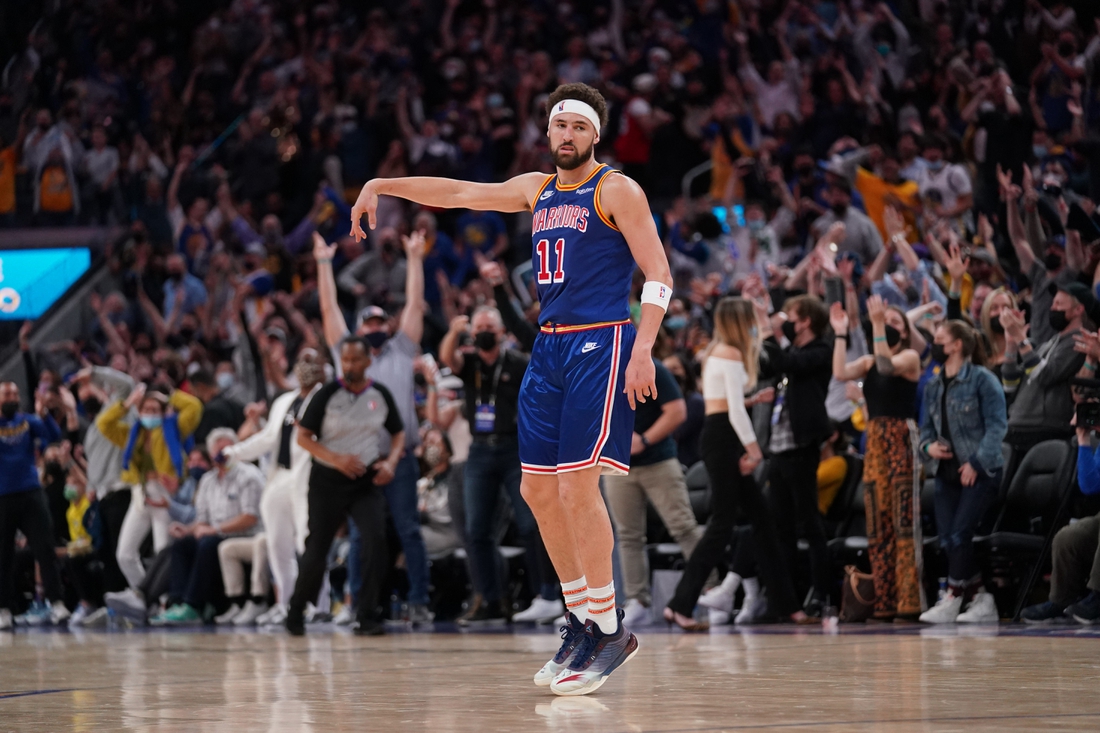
[{"x": 799, "y": 425}]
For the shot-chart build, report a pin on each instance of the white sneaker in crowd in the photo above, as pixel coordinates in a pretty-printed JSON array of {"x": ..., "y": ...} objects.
[
  {"x": 540, "y": 611},
  {"x": 982, "y": 610},
  {"x": 345, "y": 616},
  {"x": 944, "y": 612},
  {"x": 58, "y": 613},
  {"x": 5, "y": 619},
  {"x": 227, "y": 618},
  {"x": 81, "y": 613},
  {"x": 718, "y": 618},
  {"x": 635, "y": 614},
  {"x": 250, "y": 614},
  {"x": 126, "y": 603},
  {"x": 755, "y": 604},
  {"x": 95, "y": 619},
  {"x": 720, "y": 597},
  {"x": 275, "y": 617}
]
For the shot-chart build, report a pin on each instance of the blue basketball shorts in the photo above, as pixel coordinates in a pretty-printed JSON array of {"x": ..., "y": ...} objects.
[{"x": 573, "y": 413}]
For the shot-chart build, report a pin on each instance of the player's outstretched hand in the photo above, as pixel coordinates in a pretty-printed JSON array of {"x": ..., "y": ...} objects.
[
  {"x": 367, "y": 203},
  {"x": 641, "y": 378}
]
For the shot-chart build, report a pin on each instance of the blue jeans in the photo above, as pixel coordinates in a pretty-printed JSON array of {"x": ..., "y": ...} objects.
[
  {"x": 401, "y": 498},
  {"x": 489, "y": 468},
  {"x": 959, "y": 510}
]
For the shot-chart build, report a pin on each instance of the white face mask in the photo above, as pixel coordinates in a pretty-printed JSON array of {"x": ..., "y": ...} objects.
[{"x": 225, "y": 380}]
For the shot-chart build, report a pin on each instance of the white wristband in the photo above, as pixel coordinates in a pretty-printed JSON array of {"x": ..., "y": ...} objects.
[{"x": 657, "y": 293}]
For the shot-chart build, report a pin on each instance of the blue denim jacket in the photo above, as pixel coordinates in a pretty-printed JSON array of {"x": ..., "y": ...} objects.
[{"x": 977, "y": 414}]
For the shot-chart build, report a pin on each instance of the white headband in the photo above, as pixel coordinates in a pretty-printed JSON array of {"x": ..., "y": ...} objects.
[{"x": 577, "y": 107}]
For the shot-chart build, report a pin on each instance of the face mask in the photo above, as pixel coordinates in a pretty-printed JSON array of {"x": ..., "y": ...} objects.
[
  {"x": 935, "y": 166},
  {"x": 8, "y": 409},
  {"x": 196, "y": 473},
  {"x": 839, "y": 209},
  {"x": 176, "y": 276},
  {"x": 187, "y": 333},
  {"x": 309, "y": 373},
  {"x": 893, "y": 336},
  {"x": 53, "y": 468},
  {"x": 755, "y": 225},
  {"x": 883, "y": 49},
  {"x": 805, "y": 171},
  {"x": 485, "y": 340},
  {"x": 938, "y": 354},
  {"x": 789, "y": 331},
  {"x": 71, "y": 493},
  {"x": 1052, "y": 261},
  {"x": 92, "y": 406},
  {"x": 1065, "y": 49},
  {"x": 222, "y": 460},
  {"x": 676, "y": 323},
  {"x": 376, "y": 339},
  {"x": 225, "y": 380},
  {"x": 1039, "y": 151},
  {"x": 1058, "y": 320},
  {"x": 433, "y": 455},
  {"x": 996, "y": 327},
  {"x": 151, "y": 422}
]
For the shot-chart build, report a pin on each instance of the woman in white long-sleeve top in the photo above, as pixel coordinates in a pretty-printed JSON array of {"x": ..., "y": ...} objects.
[{"x": 731, "y": 453}]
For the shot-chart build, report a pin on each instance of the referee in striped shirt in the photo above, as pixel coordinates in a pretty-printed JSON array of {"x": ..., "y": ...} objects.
[{"x": 342, "y": 430}]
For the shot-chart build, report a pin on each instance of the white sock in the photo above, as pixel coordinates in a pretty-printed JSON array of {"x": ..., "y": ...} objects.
[
  {"x": 752, "y": 588},
  {"x": 575, "y": 593},
  {"x": 601, "y": 608},
  {"x": 730, "y": 582}
]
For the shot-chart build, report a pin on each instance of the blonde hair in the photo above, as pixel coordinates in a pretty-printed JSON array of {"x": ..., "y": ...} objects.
[
  {"x": 735, "y": 325},
  {"x": 987, "y": 306}
]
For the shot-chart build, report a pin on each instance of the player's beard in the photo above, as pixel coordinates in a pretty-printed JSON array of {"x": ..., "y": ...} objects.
[{"x": 574, "y": 160}]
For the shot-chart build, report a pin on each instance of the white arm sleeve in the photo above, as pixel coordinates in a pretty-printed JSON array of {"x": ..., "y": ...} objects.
[{"x": 734, "y": 374}]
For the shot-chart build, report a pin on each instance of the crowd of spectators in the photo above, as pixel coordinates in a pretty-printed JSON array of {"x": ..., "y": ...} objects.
[{"x": 929, "y": 169}]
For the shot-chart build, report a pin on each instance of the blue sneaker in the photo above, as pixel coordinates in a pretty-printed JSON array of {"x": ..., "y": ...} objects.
[
  {"x": 571, "y": 634},
  {"x": 595, "y": 658},
  {"x": 1087, "y": 610},
  {"x": 1043, "y": 613},
  {"x": 37, "y": 615}
]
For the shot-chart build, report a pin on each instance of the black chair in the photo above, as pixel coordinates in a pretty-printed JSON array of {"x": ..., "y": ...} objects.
[
  {"x": 839, "y": 514},
  {"x": 1029, "y": 517},
  {"x": 850, "y": 546}
]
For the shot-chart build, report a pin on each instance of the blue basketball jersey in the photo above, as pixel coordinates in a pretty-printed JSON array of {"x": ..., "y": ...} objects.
[{"x": 582, "y": 264}]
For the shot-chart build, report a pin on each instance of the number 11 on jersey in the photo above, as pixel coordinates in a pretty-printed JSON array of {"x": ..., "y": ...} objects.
[{"x": 543, "y": 251}]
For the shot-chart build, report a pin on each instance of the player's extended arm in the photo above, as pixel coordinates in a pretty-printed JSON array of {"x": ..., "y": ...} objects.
[
  {"x": 510, "y": 196},
  {"x": 625, "y": 202}
]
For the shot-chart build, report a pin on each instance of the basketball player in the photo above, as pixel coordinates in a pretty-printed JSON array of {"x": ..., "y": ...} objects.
[{"x": 588, "y": 367}]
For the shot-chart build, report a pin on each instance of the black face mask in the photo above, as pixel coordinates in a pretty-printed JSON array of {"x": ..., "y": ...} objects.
[
  {"x": 187, "y": 333},
  {"x": 1065, "y": 50},
  {"x": 377, "y": 339},
  {"x": 840, "y": 210},
  {"x": 53, "y": 468},
  {"x": 8, "y": 409},
  {"x": 805, "y": 171},
  {"x": 1058, "y": 320},
  {"x": 996, "y": 327},
  {"x": 92, "y": 406},
  {"x": 196, "y": 473},
  {"x": 1052, "y": 261},
  {"x": 788, "y": 331},
  {"x": 176, "y": 276},
  {"x": 893, "y": 336},
  {"x": 485, "y": 340},
  {"x": 938, "y": 354}
]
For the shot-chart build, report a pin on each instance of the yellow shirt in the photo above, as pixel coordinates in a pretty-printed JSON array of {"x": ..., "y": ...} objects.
[
  {"x": 55, "y": 193},
  {"x": 830, "y": 477},
  {"x": 966, "y": 292},
  {"x": 7, "y": 180},
  {"x": 74, "y": 515},
  {"x": 874, "y": 191}
]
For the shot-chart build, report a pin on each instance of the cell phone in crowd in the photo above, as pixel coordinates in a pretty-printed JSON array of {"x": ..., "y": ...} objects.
[
  {"x": 834, "y": 290},
  {"x": 1088, "y": 415}
]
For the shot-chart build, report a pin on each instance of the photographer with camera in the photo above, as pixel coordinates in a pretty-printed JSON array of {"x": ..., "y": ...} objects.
[{"x": 1075, "y": 552}]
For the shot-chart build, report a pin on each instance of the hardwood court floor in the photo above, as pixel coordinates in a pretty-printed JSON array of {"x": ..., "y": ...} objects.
[{"x": 863, "y": 679}]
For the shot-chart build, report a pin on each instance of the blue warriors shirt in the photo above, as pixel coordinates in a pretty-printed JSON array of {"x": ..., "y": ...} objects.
[{"x": 582, "y": 264}]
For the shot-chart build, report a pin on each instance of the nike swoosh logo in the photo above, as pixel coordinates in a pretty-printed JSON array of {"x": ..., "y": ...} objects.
[{"x": 590, "y": 346}]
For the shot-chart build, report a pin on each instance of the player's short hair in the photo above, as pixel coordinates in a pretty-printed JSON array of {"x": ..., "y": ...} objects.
[
  {"x": 583, "y": 93},
  {"x": 811, "y": 307}
]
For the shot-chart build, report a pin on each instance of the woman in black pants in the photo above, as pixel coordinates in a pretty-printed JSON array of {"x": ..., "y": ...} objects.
[{"x": 731, "y": 453}]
